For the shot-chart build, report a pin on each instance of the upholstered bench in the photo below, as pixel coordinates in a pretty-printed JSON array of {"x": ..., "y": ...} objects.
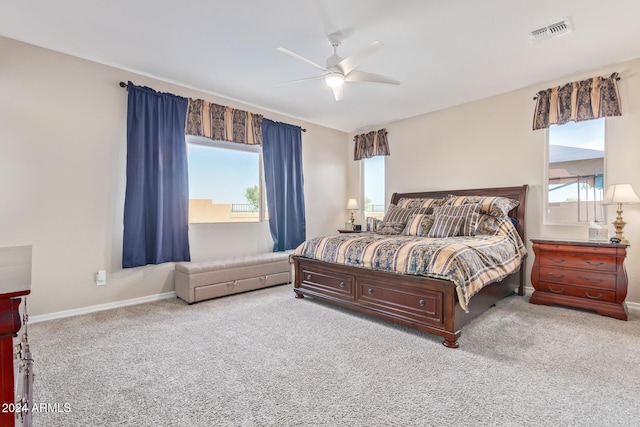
[{"x": 198, "y": 281}]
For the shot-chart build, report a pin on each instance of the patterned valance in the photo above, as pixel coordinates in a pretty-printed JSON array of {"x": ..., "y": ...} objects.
[
  {"x": 371, "y": 144},
  {"x": 222, "y": 123},
  {"x": 578, "y": 101}
]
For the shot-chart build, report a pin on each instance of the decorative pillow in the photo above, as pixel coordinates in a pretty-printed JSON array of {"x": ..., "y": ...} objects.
[
  {"x": 420, "y": 203},
  {"x": 400, "y": 215},
  {"x": 418, "y": 225},
  {"x": 390, "y": 228},
  {"x": 445, "y": 226},
  {"x": 469, "y": 214},
  {"x": 492, "y": 205}
]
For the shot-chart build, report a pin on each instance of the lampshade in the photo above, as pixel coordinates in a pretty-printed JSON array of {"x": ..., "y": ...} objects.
[
  {"x": 352, "y": 204},
  {"x": 620, "y": 194}
]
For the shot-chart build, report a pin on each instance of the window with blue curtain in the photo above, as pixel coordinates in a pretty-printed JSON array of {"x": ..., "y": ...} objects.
[
  {"x": 156, "y": 227},
  {"x": 282, "y": 157}
]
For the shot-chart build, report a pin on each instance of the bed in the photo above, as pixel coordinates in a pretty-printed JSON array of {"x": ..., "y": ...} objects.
[{"x": 433, "y": 303}]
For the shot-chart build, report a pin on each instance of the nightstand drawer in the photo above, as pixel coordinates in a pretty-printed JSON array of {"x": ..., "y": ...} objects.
[
  {"x": 584, "y": 261},
  {"x": 578, "y": 277},
  {"x": 576, "y": 291},
  {"x": 579, "y": 249}
]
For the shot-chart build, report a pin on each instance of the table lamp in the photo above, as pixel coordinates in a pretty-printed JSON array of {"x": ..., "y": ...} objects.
[
  {"x": 620, "y": 194},
  {"x": 353, "y": 205}
]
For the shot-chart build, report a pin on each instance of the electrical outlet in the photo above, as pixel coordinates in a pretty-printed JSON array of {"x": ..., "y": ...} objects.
[{"x": 101, "y": 278}]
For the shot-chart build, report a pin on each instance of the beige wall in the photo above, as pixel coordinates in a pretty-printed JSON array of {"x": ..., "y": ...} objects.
[
  {"x": 489, "y": 143},
  {"x": 62, "y": 179},
  {"x": 63, "y": 157}
]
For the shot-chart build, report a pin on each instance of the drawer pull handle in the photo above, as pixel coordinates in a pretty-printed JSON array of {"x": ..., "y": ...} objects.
[
  {"x": 308, "y": 277},
  {"x": 559, "y": 276},
  {"x": 421, "y": 302},
  {"x": 561, "y": 260},
  {"x": 586, "y": 294},
  {"x": 561, "y": 291},
  {"x": 342, "y": 284},
  {"x": 588, "y": 279},
  {"x": 370, "y": 291},
  {"x": 595, "y": 264}
]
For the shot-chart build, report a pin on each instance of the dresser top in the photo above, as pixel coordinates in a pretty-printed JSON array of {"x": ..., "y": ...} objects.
[
  {"x": 15, "y": 269},
  {"x": 578, "y": 242}
]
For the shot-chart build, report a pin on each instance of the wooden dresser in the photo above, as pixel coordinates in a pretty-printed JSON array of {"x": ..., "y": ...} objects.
[
  {"x": 587, "y": 275},
  {"x": 16, "y": 363}
]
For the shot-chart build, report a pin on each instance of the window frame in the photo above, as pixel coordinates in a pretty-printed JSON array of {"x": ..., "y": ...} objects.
[
  {"x": 227, "y": 145},
  {"x": 545, "y": 204}
]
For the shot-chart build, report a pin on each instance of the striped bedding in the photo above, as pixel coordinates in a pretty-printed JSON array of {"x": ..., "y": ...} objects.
[{"x": 471, "y": 262}]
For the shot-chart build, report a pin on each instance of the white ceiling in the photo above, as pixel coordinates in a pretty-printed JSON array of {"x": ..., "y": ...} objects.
[{"x": 445, "y": 52}]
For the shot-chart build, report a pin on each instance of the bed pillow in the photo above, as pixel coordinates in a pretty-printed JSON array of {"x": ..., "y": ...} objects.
[
  {"x": 390, "y": 228},
  {"x": 397, "y": 215},
  {"x": 420, "y": 203},
  {"x": 470, "y": 214},
  {"x": 492, "y": 205},
  {"x": 418, "y": 225},
  {"x": 445, "y": 226}
]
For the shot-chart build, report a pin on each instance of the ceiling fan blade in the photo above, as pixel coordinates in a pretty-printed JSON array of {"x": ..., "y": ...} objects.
[
  {"x": 300, "y": 81},
  {"x": 362, "y": 77},
  {"x": 338, "y": 93},
  {"x": 302, "y": 58},
  {"x": 350, "y": 63}
]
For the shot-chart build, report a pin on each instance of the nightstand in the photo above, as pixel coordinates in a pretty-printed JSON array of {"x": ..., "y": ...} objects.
[
  {"x": 587, "y": 275},
  {"x": 349, "y": 231}
]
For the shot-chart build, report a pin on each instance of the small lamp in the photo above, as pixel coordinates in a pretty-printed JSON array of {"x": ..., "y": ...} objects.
[
  {"x": 353, "y": 205},
  {"x": 620, "y": 194}
]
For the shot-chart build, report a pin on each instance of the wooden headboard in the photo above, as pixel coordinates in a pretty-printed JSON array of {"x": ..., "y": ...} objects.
[{"x": 515, "y": 193}]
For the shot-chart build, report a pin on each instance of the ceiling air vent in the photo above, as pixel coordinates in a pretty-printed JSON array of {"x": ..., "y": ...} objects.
[{"x": 551, "y": 31}]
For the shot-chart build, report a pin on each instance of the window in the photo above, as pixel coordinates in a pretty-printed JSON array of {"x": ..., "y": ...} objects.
[
  {"x": 575, "y": 172},
  {"x": 225, "y": 181},
  {"x": 374, "y": 199}
]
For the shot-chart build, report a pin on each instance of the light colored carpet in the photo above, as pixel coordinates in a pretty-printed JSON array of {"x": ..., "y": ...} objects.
[{"x": 265, "y": 358}]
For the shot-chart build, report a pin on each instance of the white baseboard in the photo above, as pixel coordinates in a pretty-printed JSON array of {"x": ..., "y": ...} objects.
[
  {"x": 631, "y": 306},
  {"x": 100, "y": 307}
]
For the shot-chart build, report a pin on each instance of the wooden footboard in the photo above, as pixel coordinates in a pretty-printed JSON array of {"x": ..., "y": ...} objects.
[{"x": 423, "y": 303}]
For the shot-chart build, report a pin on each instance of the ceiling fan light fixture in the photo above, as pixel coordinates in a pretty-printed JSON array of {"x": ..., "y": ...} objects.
[
  {"x": 339, "y": 71},
  {"x": 334, "y": 79}
]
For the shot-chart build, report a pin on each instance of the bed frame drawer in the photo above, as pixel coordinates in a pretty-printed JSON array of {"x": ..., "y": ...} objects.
[
  {"x": 406, "y": 302},
  {"x": 328, "y": 283}
]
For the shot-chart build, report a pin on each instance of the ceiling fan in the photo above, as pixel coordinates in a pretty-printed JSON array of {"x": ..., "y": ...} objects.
[{"x": 342, "y": 70}]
